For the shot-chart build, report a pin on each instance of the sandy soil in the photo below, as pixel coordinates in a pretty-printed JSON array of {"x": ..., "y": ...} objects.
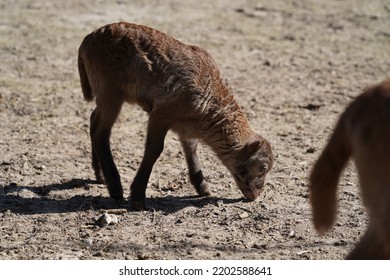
[{"x": 293, "y": 67}]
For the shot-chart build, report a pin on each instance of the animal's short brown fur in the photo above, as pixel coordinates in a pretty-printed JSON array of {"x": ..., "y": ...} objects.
[
  {"x": 362, "y": 132},
  {"x": 181, "y": 88}
]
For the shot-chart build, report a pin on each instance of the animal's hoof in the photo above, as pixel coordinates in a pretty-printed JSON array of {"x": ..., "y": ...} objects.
[
  {"x": 203, "y": 189},
  {"x": 206, "y": 193},
  {"x": 99, "y": 179},
  {"x": 119, "y": 200},
  {"x": 138, "y": 205},
  {"x": 116, "y": 192}
]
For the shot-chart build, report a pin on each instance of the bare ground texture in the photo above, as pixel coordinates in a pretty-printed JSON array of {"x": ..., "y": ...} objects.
[{"x": 293, "y": 67}]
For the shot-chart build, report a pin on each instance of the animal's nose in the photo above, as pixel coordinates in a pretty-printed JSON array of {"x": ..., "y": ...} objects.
[{"x": 252, "y": 195}]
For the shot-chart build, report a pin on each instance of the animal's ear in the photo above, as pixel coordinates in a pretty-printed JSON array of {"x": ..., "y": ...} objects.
[{"x": 253, "y": 146}]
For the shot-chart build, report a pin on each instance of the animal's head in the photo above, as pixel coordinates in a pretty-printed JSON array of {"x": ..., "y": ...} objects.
[{"x": 254, "y": 161}]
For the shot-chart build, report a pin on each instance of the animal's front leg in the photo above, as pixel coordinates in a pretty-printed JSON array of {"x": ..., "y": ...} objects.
[
  {"x": 153, "y": 148},
  {"x": 194, "y": 167}
]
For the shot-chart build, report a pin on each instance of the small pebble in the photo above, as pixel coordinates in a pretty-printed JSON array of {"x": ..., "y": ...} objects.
[
  {"x": 244, "y": 215},
  {"x": 106, "y": 219}
]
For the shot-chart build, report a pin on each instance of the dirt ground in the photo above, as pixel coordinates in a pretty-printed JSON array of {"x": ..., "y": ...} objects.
[{"x": 293, "y": 67}]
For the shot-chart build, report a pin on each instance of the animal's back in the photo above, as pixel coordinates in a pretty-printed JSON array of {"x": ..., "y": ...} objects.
[
  {"x": 147, "y": 65},
  {"x": 141, "y": 65}
]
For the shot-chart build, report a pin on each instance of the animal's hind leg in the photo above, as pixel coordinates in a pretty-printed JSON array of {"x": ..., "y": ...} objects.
[
  {"x": 95, "y": 160},
  {"x": 369, "y": 247},
  {"x": 375, "y": 244},
  {"x": 102, "y": 120},
  {"x": 194, "y": 167}
]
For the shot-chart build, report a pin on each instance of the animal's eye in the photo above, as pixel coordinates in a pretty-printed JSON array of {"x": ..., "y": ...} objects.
[
  {"x": 264, "y": 168},
  {"x": 241, "y": 170}
]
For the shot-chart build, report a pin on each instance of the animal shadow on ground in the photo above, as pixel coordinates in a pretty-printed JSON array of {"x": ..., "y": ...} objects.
[{"x": 39, "y": 200}]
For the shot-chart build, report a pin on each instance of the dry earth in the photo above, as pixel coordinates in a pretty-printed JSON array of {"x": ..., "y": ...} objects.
[{"x": 293, "y": 67}]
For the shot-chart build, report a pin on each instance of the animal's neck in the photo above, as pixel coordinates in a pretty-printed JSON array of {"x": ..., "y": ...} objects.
[{"x": 226, "y": 127}]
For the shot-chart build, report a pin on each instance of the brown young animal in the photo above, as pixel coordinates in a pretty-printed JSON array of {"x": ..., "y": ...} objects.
[
  {"x": 362, "y": 132},
  {"x": 181, "y": 88}
]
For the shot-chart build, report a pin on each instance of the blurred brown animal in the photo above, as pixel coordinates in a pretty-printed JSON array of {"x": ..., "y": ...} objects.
[
  {"x": 181, "y": 89},
  {"x": 362, "y": 132}
]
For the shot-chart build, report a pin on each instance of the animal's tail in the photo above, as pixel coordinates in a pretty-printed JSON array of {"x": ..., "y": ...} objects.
[
  {"x": 325, "y": 176},
  {"x": 85, "y": 85}
]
